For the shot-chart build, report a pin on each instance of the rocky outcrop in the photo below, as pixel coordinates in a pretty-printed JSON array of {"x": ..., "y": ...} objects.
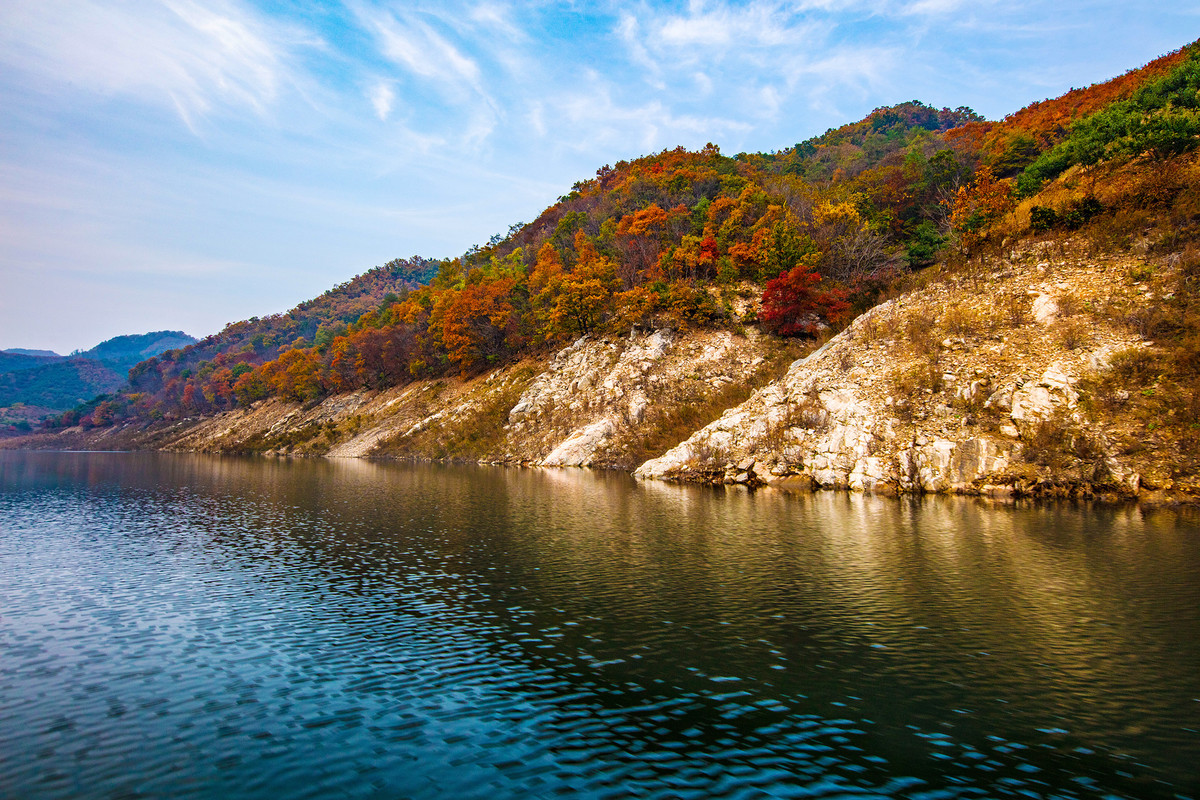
[
  {"x": 598, "y": 394},
  {"x": 587, "y": 405},
  {"x": 947, "y": 389}
]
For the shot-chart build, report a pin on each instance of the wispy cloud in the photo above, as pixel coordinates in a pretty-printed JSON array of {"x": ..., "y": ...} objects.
[
  {"x": 189, "y": 56},
  {"x": 415, "y": 46},
  {"x": 713, "y": 32},
  {"x": 498, "y": 18},
  {"x": 420, "y": 44},
  {"x": 382, "y": 96},
  {"x": 592, "y": 118}
]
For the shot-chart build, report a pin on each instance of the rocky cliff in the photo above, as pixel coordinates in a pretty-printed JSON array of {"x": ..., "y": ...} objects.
[
  {"x": 605, "y": 402},
  {"x": 982, "y": 383}
]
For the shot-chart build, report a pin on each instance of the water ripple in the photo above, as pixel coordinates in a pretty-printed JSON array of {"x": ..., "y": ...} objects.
[{"x": 193, "y": 627}]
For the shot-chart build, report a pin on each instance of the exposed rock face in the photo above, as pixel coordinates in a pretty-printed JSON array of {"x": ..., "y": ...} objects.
[
  {"x": 581, "y": 446},
  {"x": 942, "y": 390},
  {"x": 580, "y": 407},
  {"x": 595, "y": 394},
  {"x": 978, "y": 384}
]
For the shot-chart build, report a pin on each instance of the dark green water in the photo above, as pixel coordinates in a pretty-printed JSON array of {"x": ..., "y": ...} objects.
[{"x": 187, "y": 627}]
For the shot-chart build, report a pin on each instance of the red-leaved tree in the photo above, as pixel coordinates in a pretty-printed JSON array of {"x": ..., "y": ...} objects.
[{"x": 792, "y": 305}]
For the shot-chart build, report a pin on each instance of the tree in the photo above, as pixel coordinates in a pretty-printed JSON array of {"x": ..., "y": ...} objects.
[
  {"x": 295, "y": 375},
  {"x": 978, "y": 206},
  {"x": 793, "y": 306},
  {"x": 251, "y": 387},
  {"x": 479, "y": 326},
  {"x": 587, "y": 292}
]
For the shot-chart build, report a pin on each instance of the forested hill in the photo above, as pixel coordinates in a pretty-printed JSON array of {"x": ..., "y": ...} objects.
[
  {"x": 122, "y": 352},
  {"x": 34, "y": 383},
  {"x": 678, "y": 238}
]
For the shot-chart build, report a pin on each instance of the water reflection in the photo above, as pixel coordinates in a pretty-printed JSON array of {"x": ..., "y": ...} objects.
[{"x": 194, "y": 626}]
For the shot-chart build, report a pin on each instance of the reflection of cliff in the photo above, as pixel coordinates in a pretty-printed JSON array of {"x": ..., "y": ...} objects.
[{"x": 588, "y": 618}]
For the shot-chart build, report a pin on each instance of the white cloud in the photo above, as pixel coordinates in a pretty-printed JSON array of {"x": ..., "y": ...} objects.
[
  {"x": 629, "y": 32},
  {"x": 933, "y": 7},
  {"x": 410, "y": 40},
  {"x": 594, "y": 120},
  {"x": 415, "y": 46},
  {"x": 382, "y": 97},
  {"x": 498, "y": 19},
  {"x": 712, "y": 31},
  {"x": 190, "y": 56}
]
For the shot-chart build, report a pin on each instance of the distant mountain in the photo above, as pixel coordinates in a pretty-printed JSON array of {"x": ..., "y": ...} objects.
[
  {"x": 58, "y": 385},
  {"x": 21, "y": 351},
  {"x": 35, "y": 383},
  {"x": 13, "y": 360},
  {"x": 129, "y": 350}
]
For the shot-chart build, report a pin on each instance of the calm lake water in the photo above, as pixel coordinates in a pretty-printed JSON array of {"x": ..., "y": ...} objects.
[{"x": 193, "y": 627}]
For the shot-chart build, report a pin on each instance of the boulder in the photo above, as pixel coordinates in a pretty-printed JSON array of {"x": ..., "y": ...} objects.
[{"x": 579, "y": 449}]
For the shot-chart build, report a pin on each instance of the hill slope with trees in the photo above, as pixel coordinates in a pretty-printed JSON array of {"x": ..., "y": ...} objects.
[{"x": 791, "y": 243}]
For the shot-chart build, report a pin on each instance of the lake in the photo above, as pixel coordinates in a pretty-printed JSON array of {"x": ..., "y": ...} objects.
[{"x": 194, "y": 627}]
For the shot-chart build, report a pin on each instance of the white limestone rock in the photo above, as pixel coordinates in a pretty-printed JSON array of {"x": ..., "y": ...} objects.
[{"x": 579, "y": 449}]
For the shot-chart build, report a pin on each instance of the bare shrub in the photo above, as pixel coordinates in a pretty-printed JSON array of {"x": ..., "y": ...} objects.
[
  {"x": 1134, "y": 366},
  {"x": 809, "y": 413},
  {"x": 1073, "y": 333},
  {"x": 1068, "y": 304},
  {"x": 1015, "y": 309},
  {"x": 920, "y": 330},
  {"x": 923, "y": 378},
  {"x": 962, "y": 320},
  {"x": 1058, "y": 445}
]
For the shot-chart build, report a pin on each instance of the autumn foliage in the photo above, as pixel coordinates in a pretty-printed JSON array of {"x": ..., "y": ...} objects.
[
  {"x": 792, "y": 305},
  {"x": 668, "y": 240}
]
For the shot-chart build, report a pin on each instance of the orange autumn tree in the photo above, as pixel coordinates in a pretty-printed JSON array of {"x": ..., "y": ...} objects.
[
  {"x": 977, "y": 207},
  {"x": 295, "y": 375},
  {"x": 587, "y": 291},
  {"x": 479, "y": 325},
  {"x": 544, "y": 283}
]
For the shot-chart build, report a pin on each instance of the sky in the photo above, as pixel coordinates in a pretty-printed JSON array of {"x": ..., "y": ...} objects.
[{"x": 183, "y": 164}]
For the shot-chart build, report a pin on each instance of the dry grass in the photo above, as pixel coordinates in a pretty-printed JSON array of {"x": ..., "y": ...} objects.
[{"x": 476, "y": 435}]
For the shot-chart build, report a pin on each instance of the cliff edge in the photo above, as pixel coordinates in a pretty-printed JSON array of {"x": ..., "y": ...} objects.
[{"x": 1009, "y": 381}]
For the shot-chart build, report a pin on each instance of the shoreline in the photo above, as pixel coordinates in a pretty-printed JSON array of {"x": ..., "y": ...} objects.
[{"x": 1045, "y": 491}]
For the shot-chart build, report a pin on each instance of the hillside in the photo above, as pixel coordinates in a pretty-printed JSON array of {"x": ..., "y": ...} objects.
[
  {"x": 673, "y": 239},
  {"x": 14, "y": 360},
  {"x": 63, "y": 383},
  {"x": 37, "y": 383},
  {"x": 767, "y": 248},
  {"x": 125, "y": 351}
]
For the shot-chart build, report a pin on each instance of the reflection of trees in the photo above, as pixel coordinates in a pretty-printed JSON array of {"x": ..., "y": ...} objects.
[{"x": 548, "y": 599}]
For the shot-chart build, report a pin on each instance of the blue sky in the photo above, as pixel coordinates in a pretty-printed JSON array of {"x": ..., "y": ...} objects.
[{"x": 186, "y": 163}]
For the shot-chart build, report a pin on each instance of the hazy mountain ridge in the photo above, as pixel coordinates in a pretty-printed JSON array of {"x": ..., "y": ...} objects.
[
  {"x": 35, "y": 383},
  {"x": 129, "y": 349},
  {"x": 14, "y": 360}
]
